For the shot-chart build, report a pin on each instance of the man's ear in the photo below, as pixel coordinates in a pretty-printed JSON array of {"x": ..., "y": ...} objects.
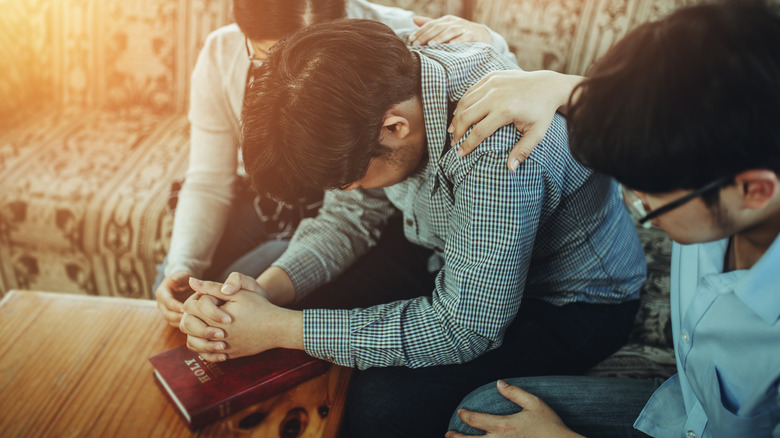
[
  {"x": 758, "y": 187},
  {"x": 395, "y": 126}
]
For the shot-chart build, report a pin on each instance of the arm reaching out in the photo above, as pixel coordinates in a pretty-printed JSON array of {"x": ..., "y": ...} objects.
[{"x": 527, "y": 99}]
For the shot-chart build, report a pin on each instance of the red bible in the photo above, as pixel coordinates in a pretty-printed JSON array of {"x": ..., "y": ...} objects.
[{"x": 204, "y": 392}]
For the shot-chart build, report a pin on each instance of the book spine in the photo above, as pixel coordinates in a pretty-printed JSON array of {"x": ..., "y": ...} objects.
[{"x": 193, "y": 420}]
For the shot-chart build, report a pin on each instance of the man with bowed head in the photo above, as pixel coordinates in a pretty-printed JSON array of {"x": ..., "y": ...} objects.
[
  {"x": 536, "y": 271},
  {"x": 218, "y": 226}
]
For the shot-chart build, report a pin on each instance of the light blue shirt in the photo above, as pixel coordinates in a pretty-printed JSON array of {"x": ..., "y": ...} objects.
[{"x": 727, "y": 346}]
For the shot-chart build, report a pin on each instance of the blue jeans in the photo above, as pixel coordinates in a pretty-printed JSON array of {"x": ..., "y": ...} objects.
[{"x": 591, "y": 406}]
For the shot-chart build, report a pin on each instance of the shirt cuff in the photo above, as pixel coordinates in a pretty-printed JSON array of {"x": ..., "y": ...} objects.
[
  {"x": 177, "y": 266},
  {"x": 326, "y": 335},
  {"x": 305, "y": 269}
]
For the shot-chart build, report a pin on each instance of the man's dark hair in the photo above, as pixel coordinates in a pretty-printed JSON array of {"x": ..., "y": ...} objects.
[
  {"x": 313, "y": 117},
  {"x": 275, "y": 19},
  {"x": 683, "y": 101}
]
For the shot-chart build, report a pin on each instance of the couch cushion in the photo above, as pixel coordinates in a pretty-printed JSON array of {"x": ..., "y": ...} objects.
[
  {"x": 566, "y": 36},
  {"x": 83, "y": 196}
]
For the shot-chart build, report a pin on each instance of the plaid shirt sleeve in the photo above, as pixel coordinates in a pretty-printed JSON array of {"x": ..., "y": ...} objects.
[
  {"x": 348, "y": 224},
  {"x": 488, "y": 249}
]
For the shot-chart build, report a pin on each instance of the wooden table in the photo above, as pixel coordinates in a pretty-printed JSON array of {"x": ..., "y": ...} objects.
[{"x": 73, "y": 365}]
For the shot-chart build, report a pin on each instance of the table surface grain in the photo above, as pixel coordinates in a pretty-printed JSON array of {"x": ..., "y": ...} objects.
[{"x": 74, "y": 365}]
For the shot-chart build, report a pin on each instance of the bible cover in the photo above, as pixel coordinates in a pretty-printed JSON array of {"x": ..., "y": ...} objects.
[{"x": 204, "y": 392}]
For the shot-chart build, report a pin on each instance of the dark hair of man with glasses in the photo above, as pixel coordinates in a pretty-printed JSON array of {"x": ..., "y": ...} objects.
[
  {"x": 676, "y": 107},
  {"x": 685, "y": 112},
  {"x": 684, "y": 107}
]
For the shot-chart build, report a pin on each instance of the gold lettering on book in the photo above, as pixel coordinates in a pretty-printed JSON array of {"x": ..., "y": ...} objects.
[
  {"x": 199, "y": 372},
  {"x": 213, "y": 367}
]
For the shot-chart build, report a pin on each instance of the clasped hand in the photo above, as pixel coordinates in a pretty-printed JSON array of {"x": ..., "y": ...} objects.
[
  {"x": 448, "y": 29},
  {"x": 233, "y": 319}
]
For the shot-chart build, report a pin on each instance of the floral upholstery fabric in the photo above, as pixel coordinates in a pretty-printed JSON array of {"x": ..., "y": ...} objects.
[
  {"x": 84, "y": 200},
  {"x": 566, "y": 35},
  {"x": 107, "y": 54},
  {"x": 93, "y": 130}
]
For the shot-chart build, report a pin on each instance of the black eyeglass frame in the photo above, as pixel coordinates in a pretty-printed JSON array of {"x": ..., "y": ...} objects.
[{"x": 720, "y": 182}]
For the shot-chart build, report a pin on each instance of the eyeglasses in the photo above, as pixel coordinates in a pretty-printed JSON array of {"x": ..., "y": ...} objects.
[{"x": 642, "y": 213}]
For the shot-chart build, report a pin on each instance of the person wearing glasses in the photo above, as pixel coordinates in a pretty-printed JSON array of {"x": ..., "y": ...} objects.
[
  {"x": 220, "y": 226},
  {"x": 684, "y": 113}
]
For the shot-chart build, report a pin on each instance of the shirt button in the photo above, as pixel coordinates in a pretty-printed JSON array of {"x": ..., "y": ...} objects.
[
  {"x": 690, "y": 434},
  {"x": 685, "y": 338},
  {"x": 409, "y": 222}
]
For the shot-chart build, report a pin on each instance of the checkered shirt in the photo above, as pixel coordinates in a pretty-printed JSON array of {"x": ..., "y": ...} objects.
[{"x": 552, "y": 230}]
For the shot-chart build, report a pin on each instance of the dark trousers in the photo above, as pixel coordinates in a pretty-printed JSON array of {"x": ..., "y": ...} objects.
[
  {"x": 400, "y": 402},
  {"x": 394, "y": 269},
  {"x": 543, "y": 340}
]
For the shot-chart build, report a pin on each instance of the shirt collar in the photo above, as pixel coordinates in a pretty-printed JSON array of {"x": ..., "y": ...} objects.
[
  {"x": 434, "y": 101},
  {"x": 758, "y": 288}
]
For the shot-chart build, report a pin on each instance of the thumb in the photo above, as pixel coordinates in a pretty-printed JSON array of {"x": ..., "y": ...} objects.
[
  {"x": 516, "y": 394},
  {"x": 420, "y": 20},
  {"x": 237, "y": 281},
  {"x": 523, "y": 148},
  {"x": 208, "y": 288}
]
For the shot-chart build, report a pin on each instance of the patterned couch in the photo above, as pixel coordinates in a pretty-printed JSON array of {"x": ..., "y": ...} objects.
[{"x": 93, "y": 130}]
